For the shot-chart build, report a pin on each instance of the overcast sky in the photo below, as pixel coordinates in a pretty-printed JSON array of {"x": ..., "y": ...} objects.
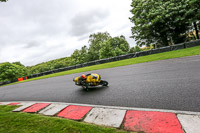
[{"x": 36, "y": 31}]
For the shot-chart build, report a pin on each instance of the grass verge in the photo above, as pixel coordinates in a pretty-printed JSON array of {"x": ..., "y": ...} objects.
[
  {"x": 161, "y": 56},
  {"x": 12, "y": 122}
]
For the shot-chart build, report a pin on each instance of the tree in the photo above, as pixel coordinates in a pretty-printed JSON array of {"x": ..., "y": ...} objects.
[
  {"x": 159, "y": 22},
  {"x": 193, "y": 15},
  {"x": 75, "y": 57},
  {"x": 84, "y": 55},
  {"x": 50, "y": 65},
  {"x": 106, "y": 50},
  {"x": 18, "y": 63},
  {"x": 3, "y": 0},
  {"x": 114, "y": 47},
  {"x": 79, "y": 56},
  {"x": 95, "y": 41},
  {"x": 59, "y": 64},
  {"x": 135, "y": 49},
  {"x": 119, "y": 44},
  {"x": 10, "y": 71}
]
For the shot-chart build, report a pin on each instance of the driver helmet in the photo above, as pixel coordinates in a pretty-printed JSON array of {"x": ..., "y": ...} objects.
[{"x": 83, "y": 76}]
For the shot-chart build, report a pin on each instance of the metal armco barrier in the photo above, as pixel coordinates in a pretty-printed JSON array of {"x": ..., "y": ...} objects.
[{"x": 116, "y": 58}]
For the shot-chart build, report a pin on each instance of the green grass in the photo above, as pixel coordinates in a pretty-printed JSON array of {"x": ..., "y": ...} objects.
[
  {"x": 161, "y": 56},
  {"x": 12, "y": 122}
]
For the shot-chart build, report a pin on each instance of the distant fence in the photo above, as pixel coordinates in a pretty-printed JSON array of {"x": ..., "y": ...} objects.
[{"x": 116, "y": 58}]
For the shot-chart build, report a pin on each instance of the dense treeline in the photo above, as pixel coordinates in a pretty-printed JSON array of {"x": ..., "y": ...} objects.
[
  {"x": 50, "y": 65},
  {"x": 101, "y": 45},
  {"x": 164, "y": 23}
]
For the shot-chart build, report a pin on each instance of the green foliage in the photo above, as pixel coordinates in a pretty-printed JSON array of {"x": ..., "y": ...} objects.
[
  {"x": 193, "y": 15},
  {"x": 193, "y": 11},
  {"x": 106, "y": 50},
  {"x": 102, "y": 45},
  {"x": 84, "y": 55},
  {"x": 75, "y": 57},
  {"x": 18, "y": 63},
  {"x": 9, "y": 72},
  {"x": 135, "y": 49},
  {"x": 95, "y": 41},
  {"x": 114, "y": 47},
  {"x": 3, "y": 0},
  {"x": 120, "y": 43},
  {"x": 79, "y": 56},
  {"x": 160, "y": 23},
  {"x": 50, "y": 65}
]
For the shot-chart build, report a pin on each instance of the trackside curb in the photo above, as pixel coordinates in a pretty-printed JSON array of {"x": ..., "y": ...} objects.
[{"x": 126, "y": 118}]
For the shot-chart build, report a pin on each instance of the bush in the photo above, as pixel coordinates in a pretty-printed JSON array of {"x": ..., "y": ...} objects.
[{"x": 9, "y": 71}]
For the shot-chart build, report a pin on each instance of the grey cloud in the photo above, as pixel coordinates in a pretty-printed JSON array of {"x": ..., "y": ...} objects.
[
  {"x": 83, "y": 23},
  {"x": 51, "y": 53},
  {"x": 31, "y": 20},
  {"x": 32, "y": 44},
  {"x": 83, "y": 37}
]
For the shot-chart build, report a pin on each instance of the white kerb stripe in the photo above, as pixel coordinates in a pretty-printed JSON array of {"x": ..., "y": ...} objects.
[
  {"x": 25, "y": 105},
  {"x": 106, "y": 117},
  {"x": 53, "y": 109},
  {"x": 4, "y": 103},
  {"x": 190, "y": 123}
]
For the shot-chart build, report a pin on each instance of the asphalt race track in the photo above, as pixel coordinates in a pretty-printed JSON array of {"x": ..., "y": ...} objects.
[{"x": 172, "y": 84}]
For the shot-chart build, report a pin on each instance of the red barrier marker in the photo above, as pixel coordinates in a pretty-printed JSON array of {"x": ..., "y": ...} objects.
[
  {"x": 20, "y": 79},
  {"x": 74, "y": 112},
  {"x": 152, "y": 122},
  {"x": 36, "y": 107},
  {"x": 13, "y": 103}
]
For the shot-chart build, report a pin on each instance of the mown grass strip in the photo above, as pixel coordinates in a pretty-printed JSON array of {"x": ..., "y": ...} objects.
[
  {"x": 155, "y": 57},
  {"x": 12, "y": 122}
]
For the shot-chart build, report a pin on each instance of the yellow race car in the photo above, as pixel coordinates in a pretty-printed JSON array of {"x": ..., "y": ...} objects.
[{"x": 88, "y": 80}]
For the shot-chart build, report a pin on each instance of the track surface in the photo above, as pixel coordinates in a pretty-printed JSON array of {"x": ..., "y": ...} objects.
[{"x": 172, "y": 84}]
